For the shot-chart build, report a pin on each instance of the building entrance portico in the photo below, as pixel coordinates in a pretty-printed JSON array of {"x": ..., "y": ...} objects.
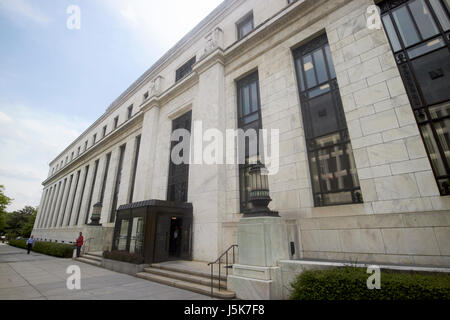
[{"x": 157, "y": 230}]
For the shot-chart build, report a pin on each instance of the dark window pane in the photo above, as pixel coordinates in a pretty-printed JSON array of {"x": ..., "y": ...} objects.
[
  {"x": 245, "y": 100},
  {"x": 319, "y": 90},
  {"x": 423, "y": 18},
  {"x": 391, "y": 33},
  {"x": 245, "y": 27},
  {"x": 323, "y": 115},
  {"x": 319, "y": 62},
  {"x": 426, "y": 47},
  {"x": 433, "y": 150},
  {"x": 441, "y": 14},
  {"x": 433, "y": 75},
  {"x": 308, "y": 67},
  {"x": 406, "y": 26},
  {"x": 442, "y": 131},
  {"x": 314, "y": 173}
]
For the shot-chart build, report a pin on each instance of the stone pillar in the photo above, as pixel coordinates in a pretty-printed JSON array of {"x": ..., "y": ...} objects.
[
  {"x": 263, "y": 242},
  {"x": 207, "y": 181},
  {"x": 145, "y": 164}
]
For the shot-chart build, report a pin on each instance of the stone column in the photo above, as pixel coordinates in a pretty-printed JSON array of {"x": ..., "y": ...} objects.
[
  {"x": 145, "y": 164},
  {"x": 41, "y": 208},
  {"x": 207, "y": 181},
  {"x": 263, "y": 242}
]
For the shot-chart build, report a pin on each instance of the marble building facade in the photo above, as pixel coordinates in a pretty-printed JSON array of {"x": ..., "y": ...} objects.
[{"x": 394, "y": 212}]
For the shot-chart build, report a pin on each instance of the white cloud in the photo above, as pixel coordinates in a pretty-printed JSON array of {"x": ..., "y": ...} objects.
[
  {"x": 29, "y": 141},
  {"x": 16, "y": 9},
  {"x": 160, "y": 24}
]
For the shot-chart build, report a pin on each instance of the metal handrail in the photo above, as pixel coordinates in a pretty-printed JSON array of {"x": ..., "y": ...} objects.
[
  {"x": 219, "y": 262},
  {"x": 84, "y": 244}
]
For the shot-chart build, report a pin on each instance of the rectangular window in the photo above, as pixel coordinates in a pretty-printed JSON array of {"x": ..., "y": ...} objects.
[
  {"x": 418, "y": 31},
  {"x": 177, "y": 186},
  {"x": 245, "y": 26},
  {"x": 249, "y": 118},
  {"x": 130, "y": 112},
  {"x": 85, "y": 145},
  {"x": 133, "y": 177},
  {"x": 94, "y": 138},
  {"x": 145, "y": 95},
  {"x": 117, "y": 184},
  {"x": 116, "y": 122},
  {"x": 104, "y": 131},
  {"x": 185, "y": 69},
  {"x": 71, "y": 156},
  {"x": 333, "y": 171},
  {"x": 78, "y": 151}
]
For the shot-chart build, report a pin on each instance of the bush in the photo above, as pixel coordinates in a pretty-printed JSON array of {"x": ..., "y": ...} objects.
[
  {"x": 351, "y": 284},
  {"x": 49, "y": 248},
  {"x": 61, "y": 250},
  {"x": 18, "y": 243},
  {"x": 123, "y": 256}
]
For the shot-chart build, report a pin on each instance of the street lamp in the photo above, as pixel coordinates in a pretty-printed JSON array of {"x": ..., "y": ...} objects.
[
  {"x": 96, "y": 213},
  {"x": 259, "y": 193}
]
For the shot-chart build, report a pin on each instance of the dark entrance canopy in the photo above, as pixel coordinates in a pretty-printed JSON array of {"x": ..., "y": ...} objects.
[{"x": 155, "y": 229}]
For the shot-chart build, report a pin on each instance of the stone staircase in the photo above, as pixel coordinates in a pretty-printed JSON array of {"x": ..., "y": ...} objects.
[
  {"x": 189, "y": 275},
  {"x": 93, "y": 258}
]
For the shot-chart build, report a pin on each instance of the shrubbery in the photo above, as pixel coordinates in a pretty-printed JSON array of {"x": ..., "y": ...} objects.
[
  {"x": 61, "y": 250},
  {"x": 18, "y": 243},
  {"x": 351, "y": 284},
  {"x": 123, "y": 256}
]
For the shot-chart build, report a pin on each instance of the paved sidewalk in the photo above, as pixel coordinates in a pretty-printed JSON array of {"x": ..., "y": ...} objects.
[{"x": 37, "y": 276}]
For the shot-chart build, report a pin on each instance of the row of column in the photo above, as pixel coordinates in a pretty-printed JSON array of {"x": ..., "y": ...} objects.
[{"x": 69, "y": 201}]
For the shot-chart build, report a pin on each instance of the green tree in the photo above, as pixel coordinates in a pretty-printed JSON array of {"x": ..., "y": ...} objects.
[
  {"x": 4, "y": 202},
  {"x": 31, "y": 212},
  {"x": 20, "y": 223}
]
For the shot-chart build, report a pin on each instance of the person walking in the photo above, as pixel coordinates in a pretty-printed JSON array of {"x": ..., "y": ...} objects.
[
  {"x": 79, "y": 244},
  {"x": 30, "y": 243}
]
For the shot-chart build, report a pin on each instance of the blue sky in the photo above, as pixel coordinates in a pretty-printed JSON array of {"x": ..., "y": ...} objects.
[{"x": 54, "y": 82}]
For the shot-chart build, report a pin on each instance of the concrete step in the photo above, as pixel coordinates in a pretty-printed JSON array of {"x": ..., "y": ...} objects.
[
  {"x": 95, "y": 253},
  {"x": 89, "y": 261},
  {"x": 194, "y": 287},
  {"x": 187, "y": 277},
  {"x": 92, "y": 257},
  {"x": 193, "y": 270}
]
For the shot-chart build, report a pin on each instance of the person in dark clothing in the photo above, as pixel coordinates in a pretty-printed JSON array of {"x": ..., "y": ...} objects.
[
  {"x": 79, "y": 244},
  {"x": 30, "y": 243}
]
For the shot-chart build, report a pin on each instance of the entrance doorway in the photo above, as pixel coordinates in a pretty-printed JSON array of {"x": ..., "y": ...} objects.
[
  {"x": 161, "y": 230},
  {"x": 176, "y": 225}
]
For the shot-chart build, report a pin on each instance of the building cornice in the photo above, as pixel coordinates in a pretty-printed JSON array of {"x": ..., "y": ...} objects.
[
  {"x": 109, "y": 140},
  {"x": 206, "y": 24}
]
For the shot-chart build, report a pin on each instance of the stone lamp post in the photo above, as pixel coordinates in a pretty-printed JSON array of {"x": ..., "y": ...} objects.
[
  {"x": 263, "y": 242},
  {"x": 96, "y": 212},
  {"x": 259, "y": 193}
]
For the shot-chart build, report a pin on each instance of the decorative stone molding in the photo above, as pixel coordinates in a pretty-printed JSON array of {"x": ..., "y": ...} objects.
[
  {"x": 213, "y": 40},
  {"x": 156, "y": 86}
]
